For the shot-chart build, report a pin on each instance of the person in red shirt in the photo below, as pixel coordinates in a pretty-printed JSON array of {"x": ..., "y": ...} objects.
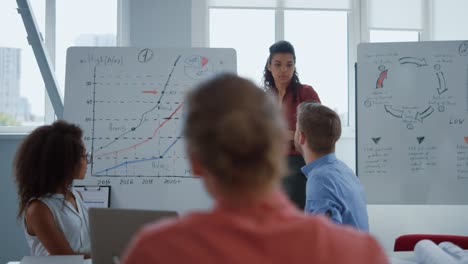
[
  {"x": 281, "y": 79},
  {"x": 236, "y": 139}
]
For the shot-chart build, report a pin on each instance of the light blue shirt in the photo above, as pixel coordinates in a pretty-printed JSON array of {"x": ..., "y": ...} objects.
[{"x": 332, "y": 187}]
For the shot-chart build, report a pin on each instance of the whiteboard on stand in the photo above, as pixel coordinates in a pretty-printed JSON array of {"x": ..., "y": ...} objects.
[
  {"x": 129, "y": 101},
  {"x": 412, "y": 122}
]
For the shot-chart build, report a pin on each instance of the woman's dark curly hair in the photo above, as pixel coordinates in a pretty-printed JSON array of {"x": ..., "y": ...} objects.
[
  {"x": 47, "y": 161},
  {"x": 281, "y": 46}
]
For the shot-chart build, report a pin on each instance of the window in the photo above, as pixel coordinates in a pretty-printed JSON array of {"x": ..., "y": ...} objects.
[
  {"x": 97, "y": 27},
  {"x": 250, "y": 35},
  {"x": 395, "y": 14},
  {"x": 383, "y": 27},
  {"x": 21, "y": 85},
  {"x": 321, "y": 50},
  {"x": 393, "y": 36},
  {"x": 322, "y": 54},
  {"x": 23, "y": 97},
  {"x": 449, "y": 20}
]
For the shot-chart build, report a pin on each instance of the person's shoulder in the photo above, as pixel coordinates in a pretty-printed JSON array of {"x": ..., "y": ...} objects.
[
  {"x": 307, "y": 93},
  {"x": 37, "y": 214},
  {"x": 173, "y": 226},
  {"x": 332, "y": 233},
  {"x": 326, "y": 172},
  {"x": 36, "y": 207},
  {"x": 362, "y": 243},
  {"x": 353, "y": 244},
  {"x": 307, "y": 88}
]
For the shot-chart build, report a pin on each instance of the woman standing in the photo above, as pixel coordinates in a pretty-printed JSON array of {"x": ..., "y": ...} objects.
[{"x": 280, "y": 78}]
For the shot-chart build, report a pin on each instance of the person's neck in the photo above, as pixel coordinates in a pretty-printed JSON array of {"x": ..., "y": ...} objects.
[
  {"x": 282, "y": 89},
  {"x": 240, "y": 200},
  {"x": 65, "y": 191},
  {"x": 310, "y": 156}
]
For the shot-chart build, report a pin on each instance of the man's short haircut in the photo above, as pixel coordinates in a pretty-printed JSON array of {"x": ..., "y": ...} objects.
[{"x": 320, "y": 125}]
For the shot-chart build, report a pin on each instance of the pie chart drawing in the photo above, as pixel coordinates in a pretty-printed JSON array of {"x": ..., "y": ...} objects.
[{"x": 197, "y": 67}]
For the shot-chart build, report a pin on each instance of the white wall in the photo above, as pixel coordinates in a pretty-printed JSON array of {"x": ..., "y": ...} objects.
[{"x": 13, "y": 244}]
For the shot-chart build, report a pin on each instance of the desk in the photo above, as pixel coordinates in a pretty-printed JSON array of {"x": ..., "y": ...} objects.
[
  {"x": 405, "y": 257},
  {"x": 86, "y": 261},
  {"x": 402, "y": 257}
]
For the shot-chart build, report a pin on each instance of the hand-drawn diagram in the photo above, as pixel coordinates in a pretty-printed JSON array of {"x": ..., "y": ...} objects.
[
  {"x": 411, "y": 122},
  {"x": 135, "y": 107},
  {"x": 118, "y": 155},
  {"x": 129, "y": 102},
  {"x": 197, "y": 67},
  {"x": 411, "y": 115}
]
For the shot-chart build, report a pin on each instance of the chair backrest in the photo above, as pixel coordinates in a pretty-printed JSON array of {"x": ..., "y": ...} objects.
[{"x": 407, "y": 242}]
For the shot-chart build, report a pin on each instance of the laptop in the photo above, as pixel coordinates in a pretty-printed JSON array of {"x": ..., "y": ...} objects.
[
  {"x": 62, "y": 259},
  {"x": 111, "y": 230}
]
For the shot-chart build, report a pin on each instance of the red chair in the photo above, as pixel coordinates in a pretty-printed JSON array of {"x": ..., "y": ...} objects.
[{"x": 407, "y": 242}]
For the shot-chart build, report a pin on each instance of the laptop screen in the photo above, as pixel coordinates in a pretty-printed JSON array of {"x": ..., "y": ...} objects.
[{"x": 112, "y": 229}]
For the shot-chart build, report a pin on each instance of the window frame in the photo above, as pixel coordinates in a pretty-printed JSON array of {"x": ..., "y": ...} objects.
[
  {"x": 358, "y": 32},
  {"x": 50, "y": 41},
  {"x": 200, "y": 23},
  {"x": 14, "y": 132}
]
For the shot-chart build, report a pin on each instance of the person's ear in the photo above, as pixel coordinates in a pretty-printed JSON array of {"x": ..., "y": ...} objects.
[
  {"x": 302, "y": 138},
  {"x": 269, "y": 67},
  {"x": 196, "y": 166}
]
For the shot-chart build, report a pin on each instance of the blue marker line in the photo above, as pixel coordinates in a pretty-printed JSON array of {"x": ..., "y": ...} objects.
[{"x": 137, "y": 161}]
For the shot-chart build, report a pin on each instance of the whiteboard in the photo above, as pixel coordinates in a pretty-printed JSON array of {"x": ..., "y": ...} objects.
[
  {"x": 412, "y": 122},
  {"x": 129, "y": 102}
]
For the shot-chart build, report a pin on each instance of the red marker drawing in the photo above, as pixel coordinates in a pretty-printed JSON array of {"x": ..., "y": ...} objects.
[
  {"x": 204, "y": 61},
  {"x": 151, "y": 92},
  {"x": 382, "y": 76}
]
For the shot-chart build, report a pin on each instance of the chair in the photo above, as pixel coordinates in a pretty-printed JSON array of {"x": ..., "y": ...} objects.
[{"x": 407, "y": 242}]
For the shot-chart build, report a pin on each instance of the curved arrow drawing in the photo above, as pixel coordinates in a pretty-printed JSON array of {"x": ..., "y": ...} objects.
[
  {"x": 394, "y": 112},
  {"x": 413, "y": 60},
  {"x": 424, "y": 114},
  {"x": 382, "y": 76},
  {"x": 442, "y": 85}
]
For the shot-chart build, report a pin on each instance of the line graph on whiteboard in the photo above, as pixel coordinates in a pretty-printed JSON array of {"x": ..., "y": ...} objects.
[{"x": 133, "y": 122}]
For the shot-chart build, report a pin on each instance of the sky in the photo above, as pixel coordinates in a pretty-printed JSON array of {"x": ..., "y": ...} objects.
[{"x": 74, "y": 17}]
